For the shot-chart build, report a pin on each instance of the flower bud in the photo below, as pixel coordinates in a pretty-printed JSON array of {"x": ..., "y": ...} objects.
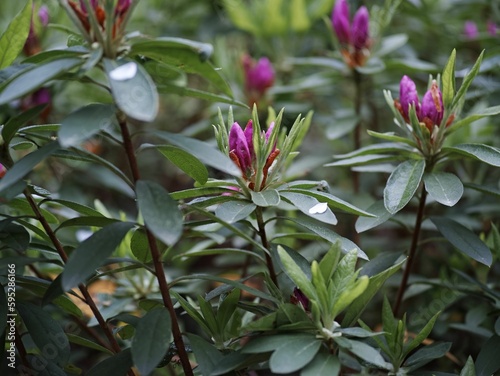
[
  {"x": 93, "y": 3},
  {"x": 258, "y": 76},
  {"x": 238, "y": 148},
  {"x": 408, "y": 96},
  {"x": 43, "y": 15},
  {"x": 470, "y": 30},
  {"x": 492, "y": 28},
  {"x": 122, "y": 6},
  {"x": 432, "y": 107},
  {"x": 340, "y": 21},
  {"x": 360, "y": 28},
  {"x": 299, "y": 298}
]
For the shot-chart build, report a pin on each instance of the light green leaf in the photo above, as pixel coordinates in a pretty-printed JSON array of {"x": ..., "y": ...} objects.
[
  {"x": 310, "y": 206},
  {"x": 490, "y": 111},
  {"x": 90, "y": 254},
  {"x": 467, "y": 81},
  {"x": 402, "y": 184},
  {"x": 368, "y": 354},
  {"x": 448, "y": 80},
  {"x": 151, "y": 340},
  {"x": 421, "y": 336},
  {"x": 35, "y": 77},
  {"x": 135, "y": 94},
  {"x": 186, "y": 162},
  {"x": 367, "y": 223},
  {"x": 463, "y": 239},
  {"x": 469, "y": 369},
  {"x": 13, "y": 39},
  {"x": 86, "y": 122},
  {"x": 445, "y": 188},
  {"x": 160, "y": 212},
  {"x": 234, "y": 211},
  {"x": 484, "y": 153},
  {"x": 269, "y": 197},
  {"x": 296, "y": 274}
]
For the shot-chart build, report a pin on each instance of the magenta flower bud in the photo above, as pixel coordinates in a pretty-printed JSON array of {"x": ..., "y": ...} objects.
[
  {"x": 340, "y": 21},
  {"x": 470, "y": 30},
  {"x": 249, "y": 137},
  {"x": 269, "y": 131},
  {"x": 432, "y": 106},
  {"x": 492, "y": 28},
  {"x": 299, "y": 297},
  {"x": 238, "y": 146},
  {"x": 122, "y": 6},
  {"x": 408, "y": 96},
  {"x": 360, "y": 28},
  {"x": 259, "y": 76},
  {"x": 93, "y": 3},
  {"x": 43, "y": 15}
]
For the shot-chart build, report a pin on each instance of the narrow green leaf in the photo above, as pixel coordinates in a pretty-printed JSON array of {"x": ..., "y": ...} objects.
[
  {"x": 200, "y": 94},
  {"x": 119, "y": 364},
  {"x": 426, "y": 354},
  {"x": 490, "y": 111},
  {"x": 24, "y": 166},
  {"x": 73, "y": 338},
  {"x": 234, "y": 211},
  {"x": 13, "y": 39},
  {"x": 445, "y": 188},
  {"x": 421, "y": 336},
  {"x": 468, "y": 80},
  {"x": 161, "y": 213},
  {"x": 133, "y": 89},
  {"x": 484, "y": 153},
  {"x": 469, "y": 369},
  {"x": 151, "y": 340},
  {"x": 293, "y": 355},
  {"x": 323, "y": 364},
  {"x": 310, "y": 206},
  {"x": 463, "y": 239},
  {"x": 203, "y": 151},
  {"x": 34, "y": 78},
  {"x": 448, "y": 79},
  {"x": 86, "y": 122},
  {"x": 402, "y": 184},
  {"x": 488, "y": 361},
  {"x": 45, "y": 332},
  {"x": 90, "y": 254},
  {"x": 296, "y": 274},
  {"x": 269, "y": 197},
  {"x": 186, "y": 162},
  {"x": 12, "y": 126}
]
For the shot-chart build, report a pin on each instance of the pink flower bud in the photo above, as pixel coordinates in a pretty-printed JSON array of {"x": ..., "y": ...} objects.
[
  {"x": 340, "y": 21},
  {"x": 43, "y": 15},
  {"x": 492, "y": 28},
  {"x": 360, "y": 28},
  {"x": 470, "y": 30},
  {"x": 259, "y": 76},
  {"x": 122, "y": 6},
  {"x": 408, "y": 96},
  {"x": 93, "y": 3},
  {"x": 432, "y": 106},
  {"x": 238, "y": 146}
]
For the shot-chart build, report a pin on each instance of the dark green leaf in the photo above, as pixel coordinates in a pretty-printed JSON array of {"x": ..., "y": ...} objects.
[
  {"x": 293, "y": 355},
  {"x": 488, "y": 361},
  {"x": 463, "y": 239},
  {"x": 87, "y": 221},
  {"x": 12, "y": 126},
  {"x": 73, "y": 338},
  {"x": 368, "y": 354},
  {"x": 484, "y": 153},
  {"x": 14, "y": 236},
  {"x": 139, "y": 246},
  {"x": 367, "y": 223},
  {"x": 13, "y": 39},
  {"x": 36, "y": 77},
  {"x": 269, "y": 197},
  {"x": 445, "y": 188},
  {"x": 90, "y": 254},
  {"x": 203, "y": 151},
  {"x": 421, "y": 336},
  {"x": 24, "y": 166},
  {"x": 403, "y": 184},
  {"x": 45, "y": 332},
  {"x": 234, "y": 211},
  {"x": 86, "y": 122},
  {"x": 117, "y": 365},
  {"x": 161, "y": 213},
  {"x": 262, "y": 344},
  {"x": 426, "y": 354},
  {"x": 151, "y": 340},
  {"x": 3, "y": 310},
  {"x": 207, "y": 356},
  {"x": 301, "y": 280},
  {"x": 323, "y": 364},
  {"x": 134, "y": 91},
  {"x": 186, "y": 162}
]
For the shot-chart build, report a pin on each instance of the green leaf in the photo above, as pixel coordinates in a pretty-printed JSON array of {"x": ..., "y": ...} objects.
[
  {"x": 86, "y": 122},
  {"x": 139, "y": 246},
  {"x": 367, "y": 223},
  {"x": 3, "y": 310},
  {"x": 227, "y": 308},
  {"x": 391, "y": 136},
  {"x": 45, "y": 332},
  {"x": 34, "y": 78},
  {"x": 484, "y": 153},
  {"x": 207, "y": 356},
  {"x": 267, "y": 198},
  {"x": 323, "y": 364},
  {"x": 463, "y": 239},
  {"x": 119, "y": 364},
  {"x": 186, "y": 162},
  {"x": 310, "y": 206},
  {"x": 261, "y": 344},
  {"x": 14, "y": 123},
  {"x": 421, "y": 336},
  {"x": 90, "y": 254},
  {"x": 134, "y": 94},
  {"x": 296, "y": 274},
  {"x": 24, "y": 166},
  {"x": 488, "y": 361},
  {"x": 445, "y": 188},
  {"x": 348, "y": 295},
  {"x": 329, "y": 261},
  {"x": 160, "y": 212},
  {"x": 151, "y": 340},
  {"x": 469, "y": 369},
  {"x": 402, "y": 185},
  {"x": 293, "y": 355},
  {"x": 489, "y": 111},
  {"x": 368, "y": 354},
  {"x": 14, "y": 236},
  {"x": 203, "y": 151},
  {"x": 448, "y": 80},
  {"x": 426, "y": 354},
  {"x": 73, "y": 338},
  {"x": 467, "y": 81},
  {"x": 327, "y": 234},
  {"x": 197, "y": 93},
  {"x": 13, "y": 39},
  {"x": 234, "y": 211}
]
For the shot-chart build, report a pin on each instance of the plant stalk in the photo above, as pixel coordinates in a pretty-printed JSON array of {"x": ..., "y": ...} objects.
[
  {"x": 156, "y": 257},
  {"x": 265, "y": 243},
  {"x": 412, "y": 253}
]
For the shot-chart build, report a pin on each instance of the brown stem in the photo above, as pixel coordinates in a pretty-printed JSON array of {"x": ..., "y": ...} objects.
[
  {"x": 412, "y": 253},
  {"x": 156, "y": 258},
  {"x": 265, "y": 243},
  {"x": 83, "y": 289}
]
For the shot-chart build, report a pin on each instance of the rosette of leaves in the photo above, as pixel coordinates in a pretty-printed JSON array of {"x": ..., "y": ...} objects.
[{"x": 421, "y": 154}]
